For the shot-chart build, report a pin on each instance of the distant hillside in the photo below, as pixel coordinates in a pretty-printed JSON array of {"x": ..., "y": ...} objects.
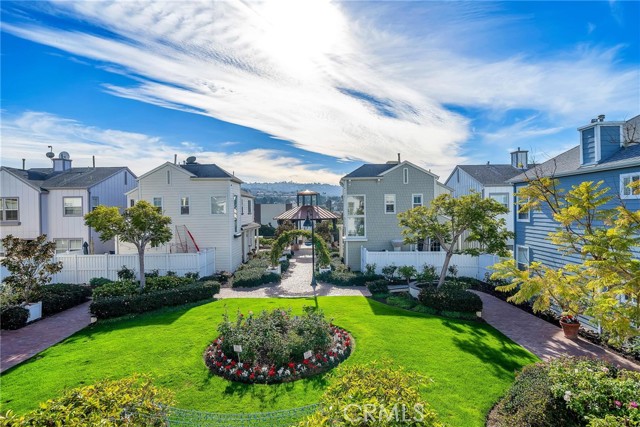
[{"x": 291, "y": 188}]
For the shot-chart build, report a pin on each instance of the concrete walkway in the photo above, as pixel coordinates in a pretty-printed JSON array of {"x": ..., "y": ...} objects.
[
  {"x": 296, "y": 282},
  {"x": 21, "y": 344},
  {"x": 539, "y": 336}
]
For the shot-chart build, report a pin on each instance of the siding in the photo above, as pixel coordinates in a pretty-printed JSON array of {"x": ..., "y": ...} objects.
[
  {"x": 28, "y": 226},
  {"x": 588, "y": 146},
  {"x": 534, "y": 234},
  {"x": 609, "y": 141},
  {"x": 66, "y": 227}
]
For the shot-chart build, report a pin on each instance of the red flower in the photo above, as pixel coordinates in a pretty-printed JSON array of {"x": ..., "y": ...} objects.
[
  {"x": 246, "y": 365},
  {"x": 292, "y": 365},
  {"x": 272, "y": 372},
  {"x": 233, "y": 363},
  {"x": 305, "y": 361},
  {"x": 218, "y": 364},
  {"x": 252, "y": 377}
]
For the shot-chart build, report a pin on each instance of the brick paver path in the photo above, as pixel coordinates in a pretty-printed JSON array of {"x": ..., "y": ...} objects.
[
  {"x": 19, "y": 345},
  {"x": 539, "y": 336},
  {"x": 296, "y": 282}
]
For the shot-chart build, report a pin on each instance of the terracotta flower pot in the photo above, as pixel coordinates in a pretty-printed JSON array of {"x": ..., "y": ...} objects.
[{"x": 570, "y": 330}]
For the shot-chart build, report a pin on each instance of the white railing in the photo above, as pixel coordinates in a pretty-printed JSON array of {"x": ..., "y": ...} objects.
[
  {"x": 468, "y": 266},
  {"x": 78, "y": 268}
]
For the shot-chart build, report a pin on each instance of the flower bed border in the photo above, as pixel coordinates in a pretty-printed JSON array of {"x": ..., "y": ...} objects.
[{"x": 227, "y": 366}]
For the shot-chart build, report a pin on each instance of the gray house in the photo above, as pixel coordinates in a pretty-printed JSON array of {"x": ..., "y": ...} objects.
[{"x": 373, "y": 195}]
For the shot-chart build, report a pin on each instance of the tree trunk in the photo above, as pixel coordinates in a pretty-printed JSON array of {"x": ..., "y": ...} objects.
[
  {"x": 445, "y": 267},
  {"x": 141, "y": 261}
]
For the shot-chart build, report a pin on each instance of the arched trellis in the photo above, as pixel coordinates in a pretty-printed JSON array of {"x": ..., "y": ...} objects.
[{"x": 322, "y": 251}]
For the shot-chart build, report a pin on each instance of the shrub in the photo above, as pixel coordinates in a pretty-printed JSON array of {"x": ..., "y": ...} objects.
[
  {"x": 248, "y": 278},
  {"x": 13, "y": 317},
  {"x": 171, "y": 273},
  {"x": 115, "y": 289},
  {"x": 99, "y": 281},
  {"x": 192, "y": 275},
  {"x": 107, "y": 307},
  {"x": 380, "y": 286},
  {"x": 345, "y": 278},
  {"x": 128, "y": 401},
  {"x": 152, "y": 273},
  {"x": 389, "y": 272},
  {"x": 450, "y": 300},
  {"x": 166, "y": 282},
  {"x": 428, "y": 274},
  {"x": 58, "y": 297},
  {"x": 370, "y": 269},
  {"x": 284, "y": 265},
  {"x": 407, "y": 272},
  {"x": 394, "y": 395},
  {"x": 125, "y": 273}
]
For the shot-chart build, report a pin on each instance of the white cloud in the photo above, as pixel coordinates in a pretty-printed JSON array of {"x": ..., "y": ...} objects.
[{"x": 28, "y": 135}]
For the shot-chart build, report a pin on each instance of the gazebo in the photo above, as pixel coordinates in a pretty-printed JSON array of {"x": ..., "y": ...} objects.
[{"x": 307, "y": 209}]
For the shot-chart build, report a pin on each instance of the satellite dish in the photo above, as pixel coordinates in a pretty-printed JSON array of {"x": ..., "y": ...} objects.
[
  {"x": 50, "y": 155},
  {"x": 191, "y": 160},
  {"x": 64, "y": 155}
]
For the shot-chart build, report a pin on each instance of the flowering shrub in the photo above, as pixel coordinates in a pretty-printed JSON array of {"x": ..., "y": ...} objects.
[
  {"x": 273, "y": 347},
  {"x": 569, "y": 319}
]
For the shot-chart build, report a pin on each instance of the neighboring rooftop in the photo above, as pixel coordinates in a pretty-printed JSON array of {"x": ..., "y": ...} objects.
[
  {"x": 46, "y": 178},
  {"x": 370, "y": 170},
  {"x": 489, "y": 174},
  {"x": 206, "y": 171}
]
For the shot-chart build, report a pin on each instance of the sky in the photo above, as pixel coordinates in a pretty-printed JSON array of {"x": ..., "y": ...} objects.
[{"x": 309, "y": 90}]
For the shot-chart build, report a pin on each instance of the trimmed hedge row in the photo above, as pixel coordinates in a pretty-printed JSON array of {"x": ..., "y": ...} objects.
[
  {"x": 346, "y": 278},
  {"x": 61, "y": 296},
  {"x": 379, "y": 286},
  {"x": 251, "y": 277},
  {"x": 105, "y": 308},
  {"x": 13, "y": 317},
  {"x": 450, "y": 300}
]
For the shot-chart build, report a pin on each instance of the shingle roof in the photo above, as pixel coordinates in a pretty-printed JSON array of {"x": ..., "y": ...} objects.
[
  {"x": 491, "y": 174},
  {"x": 46, "y": 178},
  {"x": 206, "y": 171},
  {"x": 245, "y": 193},
  {"x": 370, "y": 170}
]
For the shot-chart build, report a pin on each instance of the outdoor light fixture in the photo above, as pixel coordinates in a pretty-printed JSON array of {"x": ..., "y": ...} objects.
[{"x": 309, "y": 223}]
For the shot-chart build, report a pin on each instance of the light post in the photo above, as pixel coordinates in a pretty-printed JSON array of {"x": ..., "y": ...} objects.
[{"x": 309, "y": 222}]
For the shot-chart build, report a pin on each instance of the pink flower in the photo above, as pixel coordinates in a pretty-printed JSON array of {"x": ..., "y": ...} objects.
[
  {"x": 617, "y": 403},
  {"x": 633, "y": 405}
]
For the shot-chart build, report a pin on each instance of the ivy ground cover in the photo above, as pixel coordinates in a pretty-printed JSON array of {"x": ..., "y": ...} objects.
[{"x": 471, "y": 363}]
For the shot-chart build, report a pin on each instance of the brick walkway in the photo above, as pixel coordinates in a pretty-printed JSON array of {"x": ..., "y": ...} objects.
[
  {"x": 19, "y": 345},
  {"x": 539, "y": 336},
  {"x": 296, "y": 282}
]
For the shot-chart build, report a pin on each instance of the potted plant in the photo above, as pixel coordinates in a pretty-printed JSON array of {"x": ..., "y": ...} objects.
[{"x": 570, "y": 326}]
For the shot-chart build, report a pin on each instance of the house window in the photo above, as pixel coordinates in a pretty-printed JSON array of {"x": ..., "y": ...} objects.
[
  {"x": 522, "y": 215},
  {"x": 356, "y": 216},
  {"x": 168, "y": 177},
  {"x": 72, "y": 206},
  {"x": 389, "y": 203},
  {"x": 626, "y": 180},
  {"x": 235, "y": 213},
  {"x": 95, "y": 202},
  {"x": 218, "y": 205},
  {"x": 502, "y": 198},
  {"x": 249, "y": 206},
  {"x": 184, "y": 206},
  {"x": 157, "y": 203},
  {"x": 405, "y": 175},
  {"x": 68, "y": 245},
  {"x": 522, "y": 257},
  {"x": 9, "y": 209},
  {"x": 416, "y": 200},
  {"x": 434, "y": 245},
  {"x": 132, "y": 203},
  {"x": 126, "y": 178}
]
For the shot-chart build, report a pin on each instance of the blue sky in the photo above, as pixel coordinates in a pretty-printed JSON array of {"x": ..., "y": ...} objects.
[{"x": 308, "y": 91}]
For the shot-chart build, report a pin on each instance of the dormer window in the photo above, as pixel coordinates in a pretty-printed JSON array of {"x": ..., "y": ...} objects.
[{"x": 588, "y": 146}]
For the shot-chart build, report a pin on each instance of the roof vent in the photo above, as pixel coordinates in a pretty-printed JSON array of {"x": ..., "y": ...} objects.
[
  {"x": 594, "y": 120},
  {"x": 601, "y": 118},
  {"x": 191, "y": 160}
]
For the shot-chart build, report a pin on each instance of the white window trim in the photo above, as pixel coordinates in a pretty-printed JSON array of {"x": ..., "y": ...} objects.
[
  {"x": 385, "y": 205},
  {"x": 517, "y": 212},
  {"x": 188, "y": 204},
  {"x": 81, "y": 206},
  {"x": 161, "y": 202},
  {"x": 68, "y": 239},
  {"x": 622, "y": 186},
  {"x": 413, "y": 204},
  {"x": 502, "y": 193},
  {"x": 405, "y": 175},
  {"x": 211, "y": 205},
  {"x": 522, "y": 248},
  {"x": 3, "y": 212},
  {"x": 347, "y": 216}
]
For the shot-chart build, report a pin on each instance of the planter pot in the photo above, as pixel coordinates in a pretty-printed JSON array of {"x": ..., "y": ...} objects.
[
  {"x": 35, "y": 311},
  {"x": 570, "y": 330},
  {"x": 324, "y": 270},
  {"x": 275, "y": 270}
]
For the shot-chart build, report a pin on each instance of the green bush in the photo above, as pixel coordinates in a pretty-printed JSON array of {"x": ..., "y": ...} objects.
[
  {"x": 155, "y": 283},
  {"x": 125, "y": 273},
  {"x": 13, "y": 317},
  {"x": 107, "y": 307},
  {"x": 284, "y": 265},
  {"x": 115, "y": 289},
  {"x": 99, "y": 281},
  {"x": 394, "y": 395},
  {"x": 130, "y": 401},
  {"x": 345, "y": 278},
  {"x": 448, "y": 299},
  {"x": 251, "y": 277},
  {"x": 61, "y": 296},
  {"x": 405, "y": 301},
  {"x": 379, "y": 286}
]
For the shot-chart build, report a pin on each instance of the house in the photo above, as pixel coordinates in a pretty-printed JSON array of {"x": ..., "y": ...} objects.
[
  {"x": 491, "y": 181},
  {"x": 53, "y": 201},
  {"x": 373, "y": 195},
  {"x": 609, "y": 151},
  {"x": 265, "y": 212},
  {"x": 207, "y": 207}
]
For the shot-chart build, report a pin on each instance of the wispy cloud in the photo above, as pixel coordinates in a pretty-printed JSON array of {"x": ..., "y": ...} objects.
[{"x": 28, "y": 135}]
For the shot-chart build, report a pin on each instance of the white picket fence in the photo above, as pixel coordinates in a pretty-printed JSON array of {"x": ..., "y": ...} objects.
[
  {"x": 468, "y": 266},
  {"x": 79, "y": 268}
]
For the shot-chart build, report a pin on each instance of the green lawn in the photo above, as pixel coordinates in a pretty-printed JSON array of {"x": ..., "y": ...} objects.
[{"x": 471, "y": 363}]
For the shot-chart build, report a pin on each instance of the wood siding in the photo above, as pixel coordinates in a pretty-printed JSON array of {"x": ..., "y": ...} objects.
[{"x": 28, "y": 225}]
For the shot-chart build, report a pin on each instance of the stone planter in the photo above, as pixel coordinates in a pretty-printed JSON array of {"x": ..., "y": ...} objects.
[
  {"x": 35, "y": 311},
  {"x": 275, "y": 270},
  {"x": 324, "y": 270},
  {"x": 570, "y": 330}
]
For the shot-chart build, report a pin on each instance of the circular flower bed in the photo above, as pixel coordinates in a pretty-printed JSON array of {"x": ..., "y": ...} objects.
[{"x": 277, "y": 347}]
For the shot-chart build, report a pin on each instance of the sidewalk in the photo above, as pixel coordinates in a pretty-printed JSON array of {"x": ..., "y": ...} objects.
[
  {"x": 21, "y": 344},
  {"x": 539, "y": 336}
]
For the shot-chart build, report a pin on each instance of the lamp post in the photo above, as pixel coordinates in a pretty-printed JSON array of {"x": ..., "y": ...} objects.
[{"x": 309, "y": 222}]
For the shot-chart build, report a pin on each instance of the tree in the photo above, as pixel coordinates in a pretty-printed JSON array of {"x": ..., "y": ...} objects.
[
  {"x": 141, "y": 225},
  {"x": 451, "y": 220},
  {"x": 284, "y": 227},
  {"x": 605, "y": 283},
  {"x": 30, "y": 265}
]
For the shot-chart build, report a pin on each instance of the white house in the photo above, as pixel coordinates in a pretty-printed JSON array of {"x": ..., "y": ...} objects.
[
  {"x": 207, "y": 207},
  {"x": 53, "y": 201},
  {"x": 491, "y": 181}
]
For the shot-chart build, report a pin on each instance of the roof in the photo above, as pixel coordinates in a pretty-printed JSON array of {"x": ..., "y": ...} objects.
[
  {"x": 568, "y": 163},
  {"x": 489, "y": 174},
  {"x": 250, "y": 225},
  {"x": 46, "y": 178},
  {"x": 370, "y": 170},
  {"x": 207, "y": 171},
  {"x": 299, "y": 213},
  {"x": 245, "y": 193}
]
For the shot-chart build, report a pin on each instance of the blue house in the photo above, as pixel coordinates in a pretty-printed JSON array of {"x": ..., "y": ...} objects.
[{"x": 609, "y": 151}]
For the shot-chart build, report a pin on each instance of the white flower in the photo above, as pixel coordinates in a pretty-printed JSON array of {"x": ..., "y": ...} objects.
[{"x": 567, "y": 395}]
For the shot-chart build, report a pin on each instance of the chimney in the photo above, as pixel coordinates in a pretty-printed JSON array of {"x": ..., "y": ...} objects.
[
  {"x": 399, "y": 158},
  {"x": 601, "y": 118},
  {"x": 175, "y": 159},
  {"x": 487, "y": 162},
  {"x": 520, "y": 159},
  {"x": 23, "y": 163},
  {"x": 93, "y": 158}
]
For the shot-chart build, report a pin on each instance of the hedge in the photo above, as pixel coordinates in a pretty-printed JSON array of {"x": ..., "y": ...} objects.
[
  {"x": 105, "y": 308},
  {"x": 161, "y": 283},
  {"x": 379, "y": 286},
  {"x": 346, "y": 278},
  {"x": 62, "y": 296},
  {"x": 251, "y": 277},
  {"x": 450, "y": 300},
  {"x": 13, "y": 317}
]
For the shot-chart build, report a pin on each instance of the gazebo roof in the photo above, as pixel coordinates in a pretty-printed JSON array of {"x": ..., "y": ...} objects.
[
  {"x": 307, "y": 193},
  {"x": 299, "y": 213}
]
